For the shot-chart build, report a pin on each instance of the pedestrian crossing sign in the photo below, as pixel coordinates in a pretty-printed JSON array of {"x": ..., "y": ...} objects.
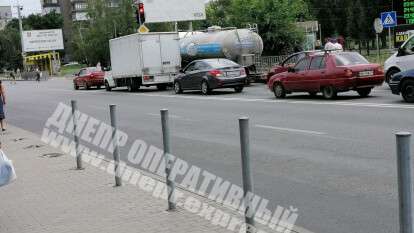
[{"x": 389, "y": 19}]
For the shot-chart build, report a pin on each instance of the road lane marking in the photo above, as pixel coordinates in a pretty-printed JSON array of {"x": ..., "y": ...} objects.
[
  {"x": 261, "y": 100},
  {"x": 301, "y": 131},
  {"x": 159, "y": 115}
]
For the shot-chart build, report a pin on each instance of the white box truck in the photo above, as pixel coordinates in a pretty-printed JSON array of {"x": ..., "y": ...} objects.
[{"x": 151, "y": 59}]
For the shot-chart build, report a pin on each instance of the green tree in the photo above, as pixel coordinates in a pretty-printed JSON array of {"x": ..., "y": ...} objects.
[{"x": 91, "y": 38}]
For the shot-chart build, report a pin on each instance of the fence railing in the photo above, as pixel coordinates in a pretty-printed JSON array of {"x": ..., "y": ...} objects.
[{"x": 265, "y": 63}]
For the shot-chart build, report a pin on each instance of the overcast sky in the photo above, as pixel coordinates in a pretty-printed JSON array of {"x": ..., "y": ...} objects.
[{"x": 29, "y": 6}]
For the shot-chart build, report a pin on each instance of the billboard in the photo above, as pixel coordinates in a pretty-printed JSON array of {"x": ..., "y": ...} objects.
[
  {"x": 5, "y": 12},
  {"x": 157, "y": 11},
  {"x": 405, "y": 11},
  {"x": 43, "y": 40}
]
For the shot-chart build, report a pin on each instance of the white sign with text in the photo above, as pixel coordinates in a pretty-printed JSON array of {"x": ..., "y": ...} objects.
[{"x": 43, "y": 40}]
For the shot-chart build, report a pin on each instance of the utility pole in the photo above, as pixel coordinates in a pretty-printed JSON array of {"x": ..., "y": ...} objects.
[{"x": 19, "y": 14}]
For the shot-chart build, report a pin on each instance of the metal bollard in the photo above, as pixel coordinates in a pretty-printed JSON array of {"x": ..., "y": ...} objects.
[
  {"x": 75, "y": 135},
  {"x": 404, "y": 182},
  {"x": 112, "y": 109},
  {"x": 245, "y": 159},
  {"x": 168, "y": 164}
]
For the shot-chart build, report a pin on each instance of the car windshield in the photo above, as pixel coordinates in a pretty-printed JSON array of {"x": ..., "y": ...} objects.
[
  {"x": 346, "y": 59},
  {"x": 221, "y": 63},
  {"x": 93, "y": 69}
]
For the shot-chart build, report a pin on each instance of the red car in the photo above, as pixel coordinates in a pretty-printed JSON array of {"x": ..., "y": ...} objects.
[
  {"x": 329, "y": 73},
  {"x": 89, "y": 77}
]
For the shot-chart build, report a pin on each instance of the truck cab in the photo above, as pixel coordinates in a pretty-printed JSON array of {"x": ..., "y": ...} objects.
[{"x": 402, "y": 60}]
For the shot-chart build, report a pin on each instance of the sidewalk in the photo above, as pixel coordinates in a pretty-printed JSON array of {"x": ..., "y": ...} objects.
[{"x": 50, "y": 196}]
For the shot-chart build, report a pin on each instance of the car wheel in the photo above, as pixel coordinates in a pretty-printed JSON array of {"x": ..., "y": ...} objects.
[
  {"x": 364, "y": 92},
  {"x": 239, "y": 89},
  {"x": 98, "y": 87},
  {"x": 205, "y": 89},
  {"x": 107, "y": 87},
  {"x": 408, "y": 91},
  {"x": 279, "y": 91},
  {"x": 329, "y": 92},
  {"x": 87, "y": 86},
  {"x": 248, "y": 81},
  {"x": 313, "y": 93},
  {"x": 75, "y": 86},
  {"x": 391, "y": 73},
  {"x": 177, "y": 88},
  {"x": 162, "y": 87},
  {"x": 130, "y": 88}
]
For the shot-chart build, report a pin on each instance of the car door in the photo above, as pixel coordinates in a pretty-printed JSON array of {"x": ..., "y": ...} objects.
[
  {"x": 199, "y": 74},
  {"x": 81, "y": 77},
  {"x": 316, "y": 72},
  {"x": 186, "y": 78},
  {"x": 405, "y": 57},
  {"x": 295, "y": 80}
]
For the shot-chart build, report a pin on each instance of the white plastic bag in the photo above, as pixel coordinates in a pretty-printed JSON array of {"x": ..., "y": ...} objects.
[{"x": 7, "y": 172}]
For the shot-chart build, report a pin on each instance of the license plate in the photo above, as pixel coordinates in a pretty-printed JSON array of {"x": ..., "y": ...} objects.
[
  {"x": 366, "y": 73},
  {"x": 233, "y": 74}
]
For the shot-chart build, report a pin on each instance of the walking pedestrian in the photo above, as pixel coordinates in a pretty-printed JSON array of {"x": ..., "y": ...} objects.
[
  {"x": 13, "y": 77},
  {"x": 37, "y": 74},
  {"x": 2, "y": 103}
]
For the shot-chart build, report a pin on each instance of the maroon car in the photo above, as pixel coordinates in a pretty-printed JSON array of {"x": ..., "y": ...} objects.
[
  {"x": 89, "y": 77},
  {"x": 329, "y": 73}
]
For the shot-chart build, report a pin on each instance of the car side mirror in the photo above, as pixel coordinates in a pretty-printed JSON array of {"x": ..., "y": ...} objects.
[
  {"x": 291, "y": 70},
  {"x": 401, "y": 52},
  {"x": 76, "y": 74}
]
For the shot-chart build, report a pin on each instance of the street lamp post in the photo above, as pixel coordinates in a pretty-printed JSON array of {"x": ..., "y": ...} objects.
[{"x": 19, "y": 14}]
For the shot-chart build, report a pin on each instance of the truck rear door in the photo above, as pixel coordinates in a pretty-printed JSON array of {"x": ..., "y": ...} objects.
[
  {"x": 151, "y": 48},
  {"x": 170, "y": 53}
]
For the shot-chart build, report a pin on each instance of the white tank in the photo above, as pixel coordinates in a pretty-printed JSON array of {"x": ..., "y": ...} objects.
[{"x": 232, "y": 44}]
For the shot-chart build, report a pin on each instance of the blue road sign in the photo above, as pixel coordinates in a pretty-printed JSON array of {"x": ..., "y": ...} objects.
[{"x": 389, "y": 19}]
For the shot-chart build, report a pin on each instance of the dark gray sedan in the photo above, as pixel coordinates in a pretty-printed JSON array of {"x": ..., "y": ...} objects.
[{"x": 209, "y": 74}]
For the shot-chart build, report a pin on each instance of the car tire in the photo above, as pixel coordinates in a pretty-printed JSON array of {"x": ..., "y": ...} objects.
[
  {"x": 107, "y": 87},
  {"x": 248, "y": 81},
  {"x": 87, "y": 86},
  {"x": 162, "y": 87},
  {"x": 407, "y": 91},
  {"x": 364, "y": 92},
  {"x": 130, "y": 88},
  {"x": 239, "y": 89},
  {"x": 177, "y": 88},
  {"x": 391, "y": 73},
  {"x": 329, "y": 92},
  {"x": 76, "y": 87},
  {"x": 205, "y": 89},
  {"x": 313, "y": 93},
  {"x": 279, "y": 91},
  {"x": 98, "y": 87}
]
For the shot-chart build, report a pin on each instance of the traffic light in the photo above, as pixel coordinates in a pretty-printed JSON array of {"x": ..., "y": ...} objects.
[{"x": 140, "y": 13}]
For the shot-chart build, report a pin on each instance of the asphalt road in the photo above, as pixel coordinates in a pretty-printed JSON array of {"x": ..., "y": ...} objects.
[{"x": 333, "y": 160}]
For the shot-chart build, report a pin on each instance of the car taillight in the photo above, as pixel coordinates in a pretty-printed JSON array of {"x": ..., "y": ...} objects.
[
  {"x": 216, "y": 73},
  {"x": 242, "y": 72},
  {"x": 148, "y": 78},
  {"x": 348, "y": 73}
]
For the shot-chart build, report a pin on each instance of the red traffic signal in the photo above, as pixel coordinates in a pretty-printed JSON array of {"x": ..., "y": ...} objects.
[{"x": 140, "y": 13}]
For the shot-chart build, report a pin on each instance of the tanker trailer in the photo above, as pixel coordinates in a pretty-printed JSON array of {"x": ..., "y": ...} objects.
[{"x": 238, "y": 45}]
